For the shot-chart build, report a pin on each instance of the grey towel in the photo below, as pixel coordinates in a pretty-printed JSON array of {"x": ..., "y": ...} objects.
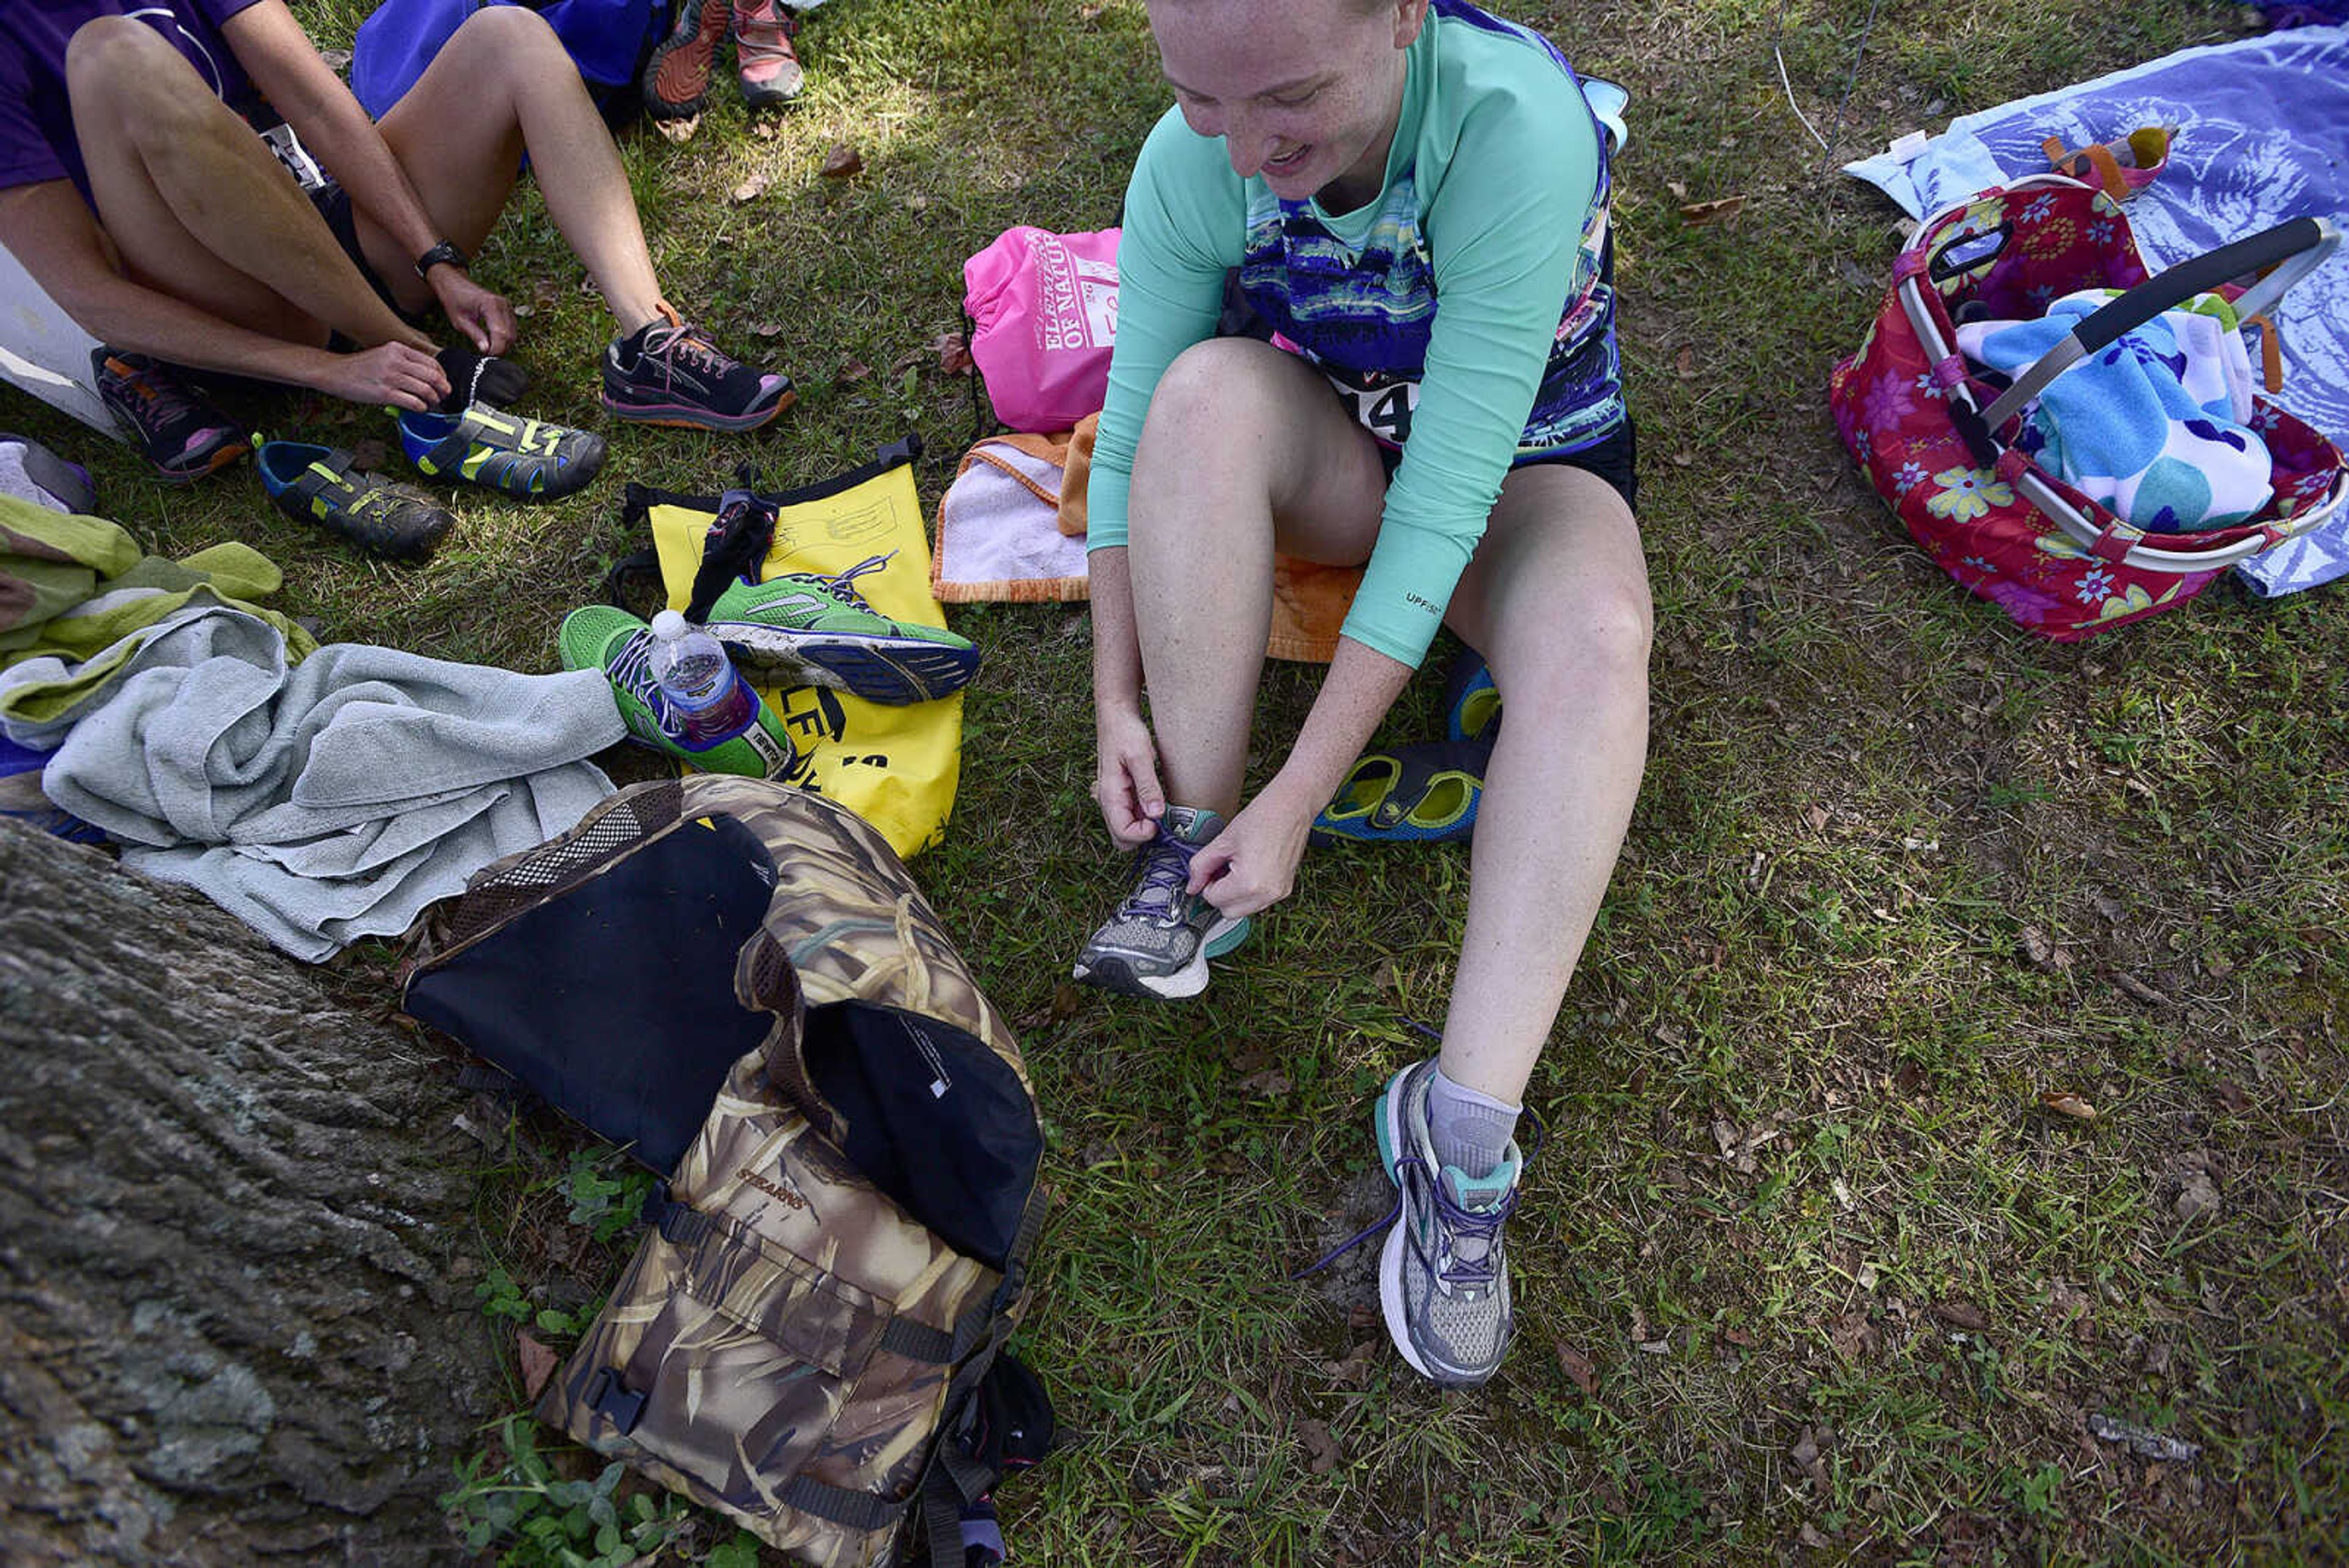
[{"x": 336, "y": 799}]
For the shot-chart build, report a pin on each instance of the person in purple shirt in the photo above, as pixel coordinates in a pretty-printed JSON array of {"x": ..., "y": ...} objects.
[{"x": 194, "y": 186}]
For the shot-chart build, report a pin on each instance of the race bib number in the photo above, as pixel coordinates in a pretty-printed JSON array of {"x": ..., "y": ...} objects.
[
  {"x": 1382, "y": 408},
  {"x": 294, "y": 156}
]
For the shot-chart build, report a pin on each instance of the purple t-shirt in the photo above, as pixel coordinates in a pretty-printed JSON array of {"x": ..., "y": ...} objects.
[{"x": 36, "y": 134}]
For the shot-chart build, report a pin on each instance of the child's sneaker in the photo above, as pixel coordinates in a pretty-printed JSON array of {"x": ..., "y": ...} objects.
[
  {"x": 813, "y": 629},
  {"x": 1444, "y": 1282},
  {"x": 319, "y": 484},
  {"x": 676, "y": 77},
  {"x": 670, "y": 373},
  {"x": 521, "y": 457},
  {"x": 1159, "y": 941},
  {"x": 600, "y": 637},
  {"x": 765, "y": 64},
  {"x": 179, "y": 433}
]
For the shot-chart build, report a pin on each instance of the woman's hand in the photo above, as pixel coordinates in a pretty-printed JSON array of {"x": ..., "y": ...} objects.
[
  {"x": 1251, "y": 864},
  {"x": 1126, "y": 784},
  {"x": 390, "y": 373}
]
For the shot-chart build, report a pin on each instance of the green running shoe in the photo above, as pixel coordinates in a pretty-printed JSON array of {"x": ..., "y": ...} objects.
[
  {"x": 318, "y": 484},
  {"x": 525, "y": 457},
  {"x": 807, "y": 628},
  {"x": 599, "y": 637}
]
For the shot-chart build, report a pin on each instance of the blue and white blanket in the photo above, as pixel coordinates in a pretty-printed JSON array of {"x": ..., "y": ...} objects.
[{"x": 2263, "y": 136}]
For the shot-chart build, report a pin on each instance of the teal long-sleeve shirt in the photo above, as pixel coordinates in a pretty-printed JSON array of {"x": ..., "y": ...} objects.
[{"x": 1462, "y": 307}]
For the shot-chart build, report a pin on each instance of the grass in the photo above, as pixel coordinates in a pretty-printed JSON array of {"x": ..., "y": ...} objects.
[{"x": 1807, "y": 1269}]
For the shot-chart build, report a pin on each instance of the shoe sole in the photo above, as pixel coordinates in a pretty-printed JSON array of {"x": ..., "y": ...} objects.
[
  {"x": 685, "y": 416},
  {"x": 1388, "y": 1128},
  {"x": 1115, "y": 972},
  {"x": 893, "y": 674},
  {"x": 682, "y": 36},
  {"x": 220, "y": 458}
]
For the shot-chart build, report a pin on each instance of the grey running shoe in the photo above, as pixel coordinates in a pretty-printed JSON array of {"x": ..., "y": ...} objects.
[
  {"x": 1443, "y": 1280},
  {"x": 1159, "y": 941}
]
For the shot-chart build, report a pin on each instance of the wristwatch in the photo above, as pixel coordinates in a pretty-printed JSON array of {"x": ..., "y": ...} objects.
[{"x": 443, "y": 252}]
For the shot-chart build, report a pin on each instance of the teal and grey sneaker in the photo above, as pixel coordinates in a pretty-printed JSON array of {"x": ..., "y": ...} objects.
[
  {"x": 1159, "y": 941},
  {"x": 599, "y": 637},
  {"x": 1443, "y": 1280},
  {"x": 814, "y": 629}
]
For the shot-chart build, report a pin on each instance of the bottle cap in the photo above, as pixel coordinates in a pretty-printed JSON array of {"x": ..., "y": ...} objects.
[{"x": 668, "y": 626}]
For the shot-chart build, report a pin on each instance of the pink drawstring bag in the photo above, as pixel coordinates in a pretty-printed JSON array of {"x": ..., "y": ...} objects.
[{"x": 1044, "y": 313}]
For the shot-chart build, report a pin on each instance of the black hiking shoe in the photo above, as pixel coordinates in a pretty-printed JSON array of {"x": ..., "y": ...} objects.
[
  {"x": 670, "y": 373},
  {"x": 318, "y": 484},
  {"x": 181, "y": 437}
]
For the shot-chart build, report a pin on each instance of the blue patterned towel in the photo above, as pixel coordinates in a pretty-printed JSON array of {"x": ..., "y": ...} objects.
[
  {"x": 2152, "y": 427},
  {"x": 2263, "y": 136}
]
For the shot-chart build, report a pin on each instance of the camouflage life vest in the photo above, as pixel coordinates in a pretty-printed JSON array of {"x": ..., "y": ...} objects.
[{"x": 809, "y": 1338}]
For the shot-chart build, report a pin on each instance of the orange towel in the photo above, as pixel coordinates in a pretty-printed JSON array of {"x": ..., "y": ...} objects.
[{"x": 986, "y": 528}]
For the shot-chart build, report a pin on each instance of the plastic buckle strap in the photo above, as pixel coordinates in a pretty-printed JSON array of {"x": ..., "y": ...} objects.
[
  {"x": 615, "y": 1401},
  {"x": 680, "y": 1224},
  {"x": 839, "y": 1505},
  {"x": 919, "y": 1342}
]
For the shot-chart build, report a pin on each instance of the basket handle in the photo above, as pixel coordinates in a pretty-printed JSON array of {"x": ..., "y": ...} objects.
[{"x": 2299, "y": 244}]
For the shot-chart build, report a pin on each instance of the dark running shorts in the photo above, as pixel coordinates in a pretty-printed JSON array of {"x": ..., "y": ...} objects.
[
  {"x": 333, "y": 204},
  {"x": 1614, "y": 459}
]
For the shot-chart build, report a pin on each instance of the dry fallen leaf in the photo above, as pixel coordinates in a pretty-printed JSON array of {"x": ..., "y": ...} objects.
[
  {"x": 1961, "y": 1314},
  {"x": 1817, "y": 817},
  {"x": 2065, "y": 1104},
  {"x": 537, "y": 1364},
  {"x": 841, "y": 161},
  {"x": 679, "y": 130},
  {"x": 1362, "y": 1315},
  {"x": 1684, "y": 362},
  {"x": 1805, "y": 1453},
  {"x": 1679, "y": 190},
  {"x": 954, "y": 352},
  {"x": 766, "y": 329},
  {"x": 1269, "y": 1084},
  {"x": 853, "y": 370},
  {"x": 1320, "y": 1447},
  {"x": 1579, "y": 1368},
  {"x": 751, "y": 189},
  {"x": 368, "y": 455},
  {"x": 1697, "y": 214}
]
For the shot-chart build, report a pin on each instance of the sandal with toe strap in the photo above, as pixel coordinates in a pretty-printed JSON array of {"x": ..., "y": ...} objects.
[{"x": 1413, "y": 795}]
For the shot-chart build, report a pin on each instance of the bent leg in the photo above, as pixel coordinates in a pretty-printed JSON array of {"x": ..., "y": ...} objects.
[
  {"x": 1557, "y": 599},
  {"x": 198, "y": 207},
  {"x": 1244, "y": 447},
  {"x": 502, "y": 87}
]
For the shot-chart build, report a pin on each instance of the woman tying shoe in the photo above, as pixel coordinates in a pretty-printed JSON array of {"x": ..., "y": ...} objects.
[{"x": 1415, "y": 195}]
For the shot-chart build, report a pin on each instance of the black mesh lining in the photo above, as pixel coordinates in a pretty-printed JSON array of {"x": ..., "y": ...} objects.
[
  {"x": 615, "y": 1003},
  {"x": 935, "y": 1119}
]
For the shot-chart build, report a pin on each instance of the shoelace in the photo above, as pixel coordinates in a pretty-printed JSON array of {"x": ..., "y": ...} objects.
[
  {"x": 689, "y": 343},
  {"x": 1458, "y": 1221},
  {"x": 161, "y": 402},
  {"x": 1166, "y": 879},
  {"x": 842, "y": 585},
  {"x": 634, "y": 670}
]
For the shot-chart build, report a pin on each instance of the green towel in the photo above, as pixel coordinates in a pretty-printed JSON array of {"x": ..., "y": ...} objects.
[{"x": 80, "y": 591}]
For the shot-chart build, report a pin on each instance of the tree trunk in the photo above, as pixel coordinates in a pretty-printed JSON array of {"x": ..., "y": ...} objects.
[{"x": 228, "y": 1205}]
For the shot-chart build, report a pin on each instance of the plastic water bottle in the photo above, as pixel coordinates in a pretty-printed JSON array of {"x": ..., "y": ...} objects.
[{"x": 712, "y": 700}]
